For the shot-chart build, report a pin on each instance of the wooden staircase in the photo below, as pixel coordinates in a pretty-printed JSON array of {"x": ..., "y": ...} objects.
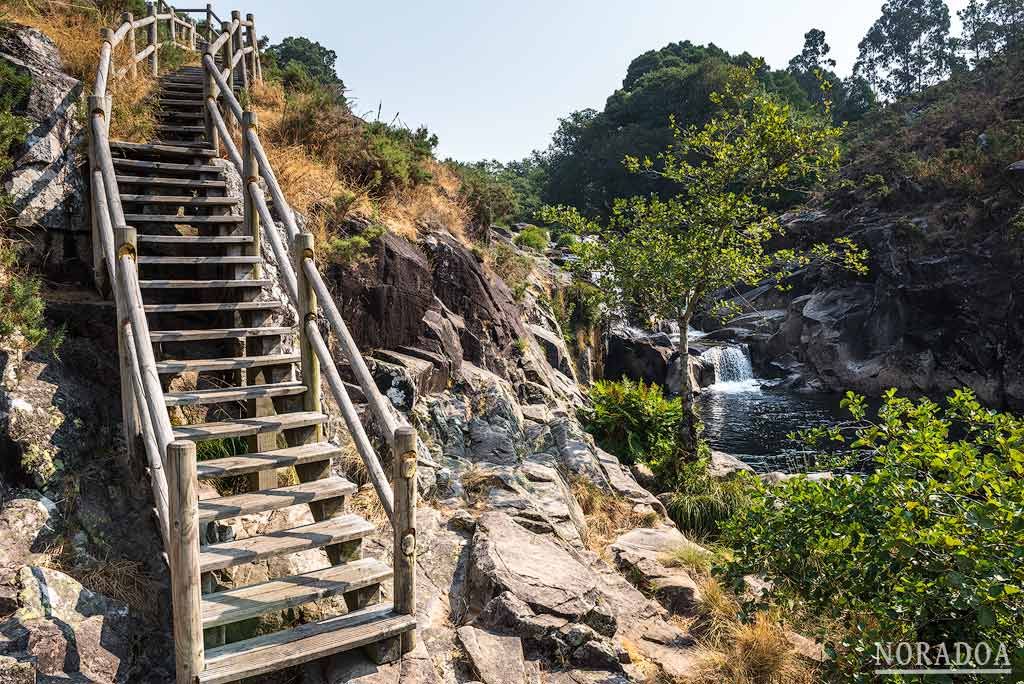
[{"x": 231, "y": 376}]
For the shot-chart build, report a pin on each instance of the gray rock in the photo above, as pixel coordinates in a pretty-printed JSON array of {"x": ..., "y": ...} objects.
[
  {"x": 723, "y": 465},
  {"x": 497, "y": 659},
  {"x": 506, "y": 557},
  {"x": 597, "y": 654},
  {"x": 640, "y": 554},
  {"x": 25, "y": 527},
  {"x": 14, "y": 672}
]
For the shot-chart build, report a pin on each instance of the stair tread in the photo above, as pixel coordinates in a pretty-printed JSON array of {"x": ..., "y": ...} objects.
[
  {"x": 200, "y": 284},
  {"x": 180, "y": 101},
  {"x": 173, "y": 182},
  {"x": 166, "y": 166},
  {"x": 181, "y": 129},
  {"x": 227, "y": 363},
  {"x": 245, "y": 427},
  {"x": 234, "y": 605},
  {"x": 207, "y": 307},
  {"x": 265, "y": 460},
  {"x": 154, "y": 148},
  {"x": 273, "y": 499},
  {"x": 198, "y": 260},
  {"x": 198, "y": 239},
  {"x": 214, "y": 334},
  {"x": 230, "y": 394},
  {"x": 313, "y": 536},
  {"x": 272, "y": 652},
  {"x": 181, "y": 220},
  {"x": 181, "y": 200}
]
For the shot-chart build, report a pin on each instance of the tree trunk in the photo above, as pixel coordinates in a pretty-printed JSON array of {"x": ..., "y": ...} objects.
[{"x": 688, "y": 429}]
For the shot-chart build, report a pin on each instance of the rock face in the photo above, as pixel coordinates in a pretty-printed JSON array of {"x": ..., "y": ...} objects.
[
  {"x": 936, "y": 312},
  {"x": 642, "y": 554},
  {"x": 45, "y": 184}
]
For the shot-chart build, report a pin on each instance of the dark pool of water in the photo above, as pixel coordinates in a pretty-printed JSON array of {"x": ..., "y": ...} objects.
[{"x": 751, "y": 422}]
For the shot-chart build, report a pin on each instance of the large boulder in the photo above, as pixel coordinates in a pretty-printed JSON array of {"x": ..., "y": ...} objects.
[
  {"x": 642, "y": 554},
  {"x": 26, "y": 529},
  {"x": 496, "y": 658},
  {"x": 635, "y": 356},
  {"x": 68, "y": 631},
  {"x": 47, "y": 188}
]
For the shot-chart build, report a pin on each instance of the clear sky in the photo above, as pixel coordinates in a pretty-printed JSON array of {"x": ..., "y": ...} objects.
[{"x": 491, "y": 78}]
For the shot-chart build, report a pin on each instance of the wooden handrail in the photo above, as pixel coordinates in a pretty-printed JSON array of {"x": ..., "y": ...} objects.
[{"x": 225, "y": 134}]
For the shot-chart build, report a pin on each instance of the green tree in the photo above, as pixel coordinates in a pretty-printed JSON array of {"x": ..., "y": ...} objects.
[
  {"x": 850, "y": 99},
  {"x": 908, "y": 48},
  {"x": 297, "y": 53},
  {"x": 491, "y": 198},
  {"x": 664, "y": 257},
  {"x": 980, "y": 33}
]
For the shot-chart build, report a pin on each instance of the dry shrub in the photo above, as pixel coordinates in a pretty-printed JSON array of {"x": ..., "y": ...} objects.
[
  {"x": 755, "y": 653},
  {"x": 477, "y": 482},
  {"x": 607, "y": 515},
  {"x": 366, "y": 503},
  {"x": 717, "y": 611}
]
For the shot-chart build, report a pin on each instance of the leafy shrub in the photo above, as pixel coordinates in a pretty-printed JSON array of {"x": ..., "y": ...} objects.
[
  {"x": 21, "y": 306},
  {"x": 701, "y": 504},
  {"x": 533, "y": 237},
  {"x": 352, "y": 249},
  {"x": 927, "y": 546},
  {"x": 511, "y": 267},
  {"x": 635, "y": 421}
]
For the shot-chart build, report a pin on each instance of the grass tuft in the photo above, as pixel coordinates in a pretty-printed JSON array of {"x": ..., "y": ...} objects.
[
  {"x": 607, "y": 515},
  {"x": 753, "y": 653}
]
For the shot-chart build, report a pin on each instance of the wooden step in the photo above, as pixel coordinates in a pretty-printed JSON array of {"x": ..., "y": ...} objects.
[
  {"x": 134, "y": 219},
  {"x": 273, "y": 499},
  {"x": 165, "y": 166},
  {"x": 171, "y": 114},
  {"x": 212, "y": 307},
  {"x": 197, "y": 239},
  {"x": 173, "y": 102},
  {"x": 235, "y": 605},
  {"x": 172, "y": 182},
  {"x": 313, "y": 536},
  {"x": 174, "y": 128},
  {"x": 165, "y": 150},
  {"x": 200, "y": 284},
  {"x": 214, "y": 334},
  {"x": 197, "y": 260},
  {"x": 266, "y": 460},
  {"x": 223, "y": 395},
  {"x": 273, "y": 652},
  {"x": 181, "y": 201},
  {"x": 247, "y": 427}
]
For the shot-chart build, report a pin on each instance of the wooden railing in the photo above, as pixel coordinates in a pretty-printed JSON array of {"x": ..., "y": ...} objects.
[{"x": 146, "y": 419}]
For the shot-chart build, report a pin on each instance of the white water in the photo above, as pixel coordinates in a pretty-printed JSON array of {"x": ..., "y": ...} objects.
[{"x": 733, "y": 372}]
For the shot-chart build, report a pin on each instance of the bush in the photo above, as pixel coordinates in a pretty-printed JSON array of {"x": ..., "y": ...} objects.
[
  {"x": 635, "y": 421},
  {"x": 928, "y": 546},
  {"x": 21, "y": 307},
  {"x": 533, "y": 237},
  {"x": 702, "y": 504},
  {"x": 491, "y": 199},
  {"x": 511, "y": 267},
  {"x": 352, "y": 249}
]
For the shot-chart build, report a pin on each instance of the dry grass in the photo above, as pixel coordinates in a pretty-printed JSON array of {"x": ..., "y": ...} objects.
[
  {"x": 477, "y": 482},
  {"x": 607, "y": 515},
  {"x": 366, "y": 503},
  {"x": 121, "y": 579},
  {"x": 754, "y": 653},
  {"x": 717, "y": 611},
  {"x": 75, "y": 29},
  {"x": 690, "y": 557}
]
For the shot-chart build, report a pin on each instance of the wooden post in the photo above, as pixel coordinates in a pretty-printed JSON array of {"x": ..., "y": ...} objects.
[
  {"x": 229, "y": 53},
  {"x": 302, "y": 247},
  {"x": 154, "y": 63},
  {"x": 251, "y": 174},
  {"x": 239, "y": 45},
  {"x": 254, "y": 66},
  {"x": 209, "y": 23},
  {"x": 173, "y": 24},
  {"x": 209, "y": 88},
  {"x": 107, "y": 36},
  {"x": 133, "y": 68},
  {"x": 404, "y": 524},
  {"x": 102, "y": 272},
  {"x": 184, "y": 560},
  {"x": 125, "y": 242}
]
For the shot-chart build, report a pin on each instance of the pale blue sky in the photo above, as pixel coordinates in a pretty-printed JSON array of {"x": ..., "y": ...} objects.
[{"x": 491, "y": 78}]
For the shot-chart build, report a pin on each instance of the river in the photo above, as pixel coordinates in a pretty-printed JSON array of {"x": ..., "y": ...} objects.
[{"x": 746, "y": 417}]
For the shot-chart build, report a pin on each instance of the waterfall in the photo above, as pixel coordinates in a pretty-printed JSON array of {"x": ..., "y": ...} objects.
[{"x": 733, "y": 372}]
